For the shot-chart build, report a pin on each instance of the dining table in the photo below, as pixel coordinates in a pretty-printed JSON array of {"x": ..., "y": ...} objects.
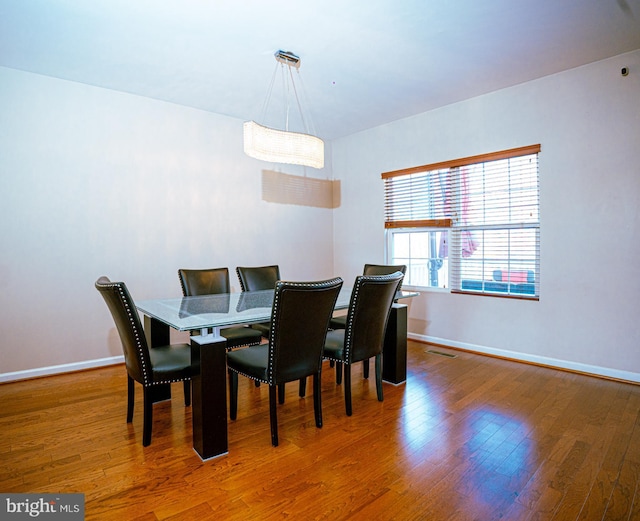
[{"x": 207, "y": 315}]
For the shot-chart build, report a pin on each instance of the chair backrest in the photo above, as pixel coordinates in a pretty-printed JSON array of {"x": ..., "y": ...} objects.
[
  {"x": 299, "y": 322},
  {"x": 258, "y": 278},
  {"x": 383, "y": 269},
  {"x": 204, "y": 282},
  {"x": 368, "y": 313},
  {"x": 125, "y": 315}
]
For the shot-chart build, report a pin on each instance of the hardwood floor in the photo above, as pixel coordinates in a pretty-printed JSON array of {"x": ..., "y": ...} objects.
[{"x": 469, "y": 437}]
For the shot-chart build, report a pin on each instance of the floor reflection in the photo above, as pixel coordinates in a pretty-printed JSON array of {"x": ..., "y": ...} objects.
[{"x": 491, "y": 444}]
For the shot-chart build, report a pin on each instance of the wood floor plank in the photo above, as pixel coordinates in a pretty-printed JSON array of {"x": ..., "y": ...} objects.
[{"x": 465, "y": 438}]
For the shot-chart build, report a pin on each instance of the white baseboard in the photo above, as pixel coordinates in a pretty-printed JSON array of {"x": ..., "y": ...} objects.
[
  {"x": 59, "y": 369},
  {"x": 594, "y": 370},
  {"x": 511, "y": 355}
]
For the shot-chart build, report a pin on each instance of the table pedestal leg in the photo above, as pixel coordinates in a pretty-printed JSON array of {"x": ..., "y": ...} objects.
[
  {"x": 394, "y": 352},
  {"x": 209, "y": 395}
]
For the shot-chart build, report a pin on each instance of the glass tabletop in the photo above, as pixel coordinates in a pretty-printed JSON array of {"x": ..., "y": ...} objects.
[{"x": 209, "y": 311}]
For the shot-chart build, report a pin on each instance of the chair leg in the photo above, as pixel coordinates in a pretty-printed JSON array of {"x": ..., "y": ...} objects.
[
  {"x": 281, "y": 394},
  {"x": 317, "y": 400},
  {"x": 379, "y": 377},
  {"x": 338, "y": 373},
  {"x": 347, "y": 388},
  {"x": 148, "y": 417},
  {"x": 273, "y": 414},
  {"x": 365, "y": 368},
  {"x": 302, "y": 387},
  {"x": 187, "y": 393},
  {"x": 130, "y": 398},
  {"x": 233, "y": 395}
]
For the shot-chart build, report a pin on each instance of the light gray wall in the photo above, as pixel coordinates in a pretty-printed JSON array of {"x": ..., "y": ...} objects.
[
  {"x": 588, "y": 123},
  {"x": 95, "y": 182}
]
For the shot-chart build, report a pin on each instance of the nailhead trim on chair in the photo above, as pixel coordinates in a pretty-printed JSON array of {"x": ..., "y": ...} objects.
[
  {"x": 184, "y": 291},
  {"x": 242, "y": 288},
  {"x": 272, "y": 336},
  {"x": 251, "y": 377},
  {"x": 276, "y": 304},
  {"x": 349, "y": 325},
  {"x": 361, "y": 279}
]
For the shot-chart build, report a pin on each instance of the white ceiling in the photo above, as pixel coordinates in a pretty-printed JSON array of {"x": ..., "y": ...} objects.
[{"x": 364, "y": 62}]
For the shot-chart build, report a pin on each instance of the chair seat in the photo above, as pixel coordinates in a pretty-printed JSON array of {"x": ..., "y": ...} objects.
[
  {"x": 170, "y": 363},
  {"x": 264, "y": 328},
  {"x": 334, "y": 345},
  {"x": 250, "y": 362},
  {"x": 241, "y": 336}
]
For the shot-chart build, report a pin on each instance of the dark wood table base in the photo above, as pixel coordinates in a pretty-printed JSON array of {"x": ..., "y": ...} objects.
[
  {"x": 394, "y": 351},
  {"x": 209, "y": 395},
  {"x": 208, "y": 387}
]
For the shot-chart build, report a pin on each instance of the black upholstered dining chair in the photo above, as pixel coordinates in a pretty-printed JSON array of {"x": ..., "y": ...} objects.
[
  {"x": 256, "y": 279},
  {"x": 363, "y": 337},
  {"x": 299, "y": 321},
  {"x": 369, "y": 269},
  {"x": 149, "y": 367},
  {"x": 339, "y": 322},
  {"x": 215, "y": 281}
]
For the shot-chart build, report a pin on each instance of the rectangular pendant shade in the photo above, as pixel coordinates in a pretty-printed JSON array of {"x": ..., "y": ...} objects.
[{"x": 281, "y": 146}]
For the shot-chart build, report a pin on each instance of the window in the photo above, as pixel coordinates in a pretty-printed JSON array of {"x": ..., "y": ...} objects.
[
  {"x": 417, "y": 249},
  {"x": 471, "y": 225}
]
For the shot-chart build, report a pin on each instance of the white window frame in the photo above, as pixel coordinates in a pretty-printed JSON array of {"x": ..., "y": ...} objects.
[{"x": 417, "y": 268}]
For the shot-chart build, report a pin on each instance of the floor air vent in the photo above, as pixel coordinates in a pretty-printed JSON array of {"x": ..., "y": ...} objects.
[{"x": 440, "y": 353}]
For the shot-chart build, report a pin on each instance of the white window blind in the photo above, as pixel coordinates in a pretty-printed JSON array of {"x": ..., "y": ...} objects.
[{"x": 490, "y": 206}]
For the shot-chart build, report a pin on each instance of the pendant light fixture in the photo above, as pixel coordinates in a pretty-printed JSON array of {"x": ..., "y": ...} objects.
[{"x": 283, "y": 145}]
